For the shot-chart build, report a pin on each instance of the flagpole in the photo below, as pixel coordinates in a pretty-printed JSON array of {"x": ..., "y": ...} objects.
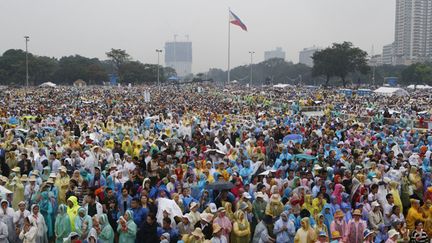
[{"x": 229, "y": 46}]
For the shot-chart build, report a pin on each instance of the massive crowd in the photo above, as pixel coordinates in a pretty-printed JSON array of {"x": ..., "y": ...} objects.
[{"x": 99, "y": 164}]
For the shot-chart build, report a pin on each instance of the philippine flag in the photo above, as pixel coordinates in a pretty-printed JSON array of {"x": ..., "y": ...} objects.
[{"x": 236, "y": 21}]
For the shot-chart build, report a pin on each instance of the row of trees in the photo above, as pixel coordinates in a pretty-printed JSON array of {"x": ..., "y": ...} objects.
[{"x": 70, "y": 68}]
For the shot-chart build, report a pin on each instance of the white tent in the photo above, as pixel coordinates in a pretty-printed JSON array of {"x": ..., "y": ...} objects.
[
  {"x": 282, "y": 86},
  {"x": 390, "y": 91},
  {"x": 48, "y": 84},
  {"x": 412, "y": 86}
]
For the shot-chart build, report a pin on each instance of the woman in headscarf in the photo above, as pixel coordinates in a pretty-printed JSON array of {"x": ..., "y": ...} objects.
[
  {"x": 305, "y": 234},
  {"x": 381, "y": 233},
  {"x": 308, "y": 203},
  {"x": 46, "y": 209},
  {"x": 320, "y": 226},
  {"x": 105, "y": 231},
  {"x": 72, "y": 210},
  {"x": 6, "y": 215},
  {"x": 337, "y": 193},
  {"x": 39, "y": 221},
  {"x": 228, "y": 210},
  {"x": 328, "y": 216},
  {"x": 126, "y": 228},
  {"x": 275, "y": 206},
  {"x": 83, "y": 223},
  {"x": 241, "y": 228},
  {"x": 62, "y": 226},
  {"x": 29, "y": 232}
]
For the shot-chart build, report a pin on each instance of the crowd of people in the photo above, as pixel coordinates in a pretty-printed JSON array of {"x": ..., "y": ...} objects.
[{"x": 100, "y": 164}]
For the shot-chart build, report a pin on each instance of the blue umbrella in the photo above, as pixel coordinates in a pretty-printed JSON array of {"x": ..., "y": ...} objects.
[
  {"x": 304, "y": 156},
  {"x": 293, "y": 137}
]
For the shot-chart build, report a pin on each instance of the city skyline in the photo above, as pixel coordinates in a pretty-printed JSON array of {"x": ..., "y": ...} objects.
[{"x": 56, "y": 29}]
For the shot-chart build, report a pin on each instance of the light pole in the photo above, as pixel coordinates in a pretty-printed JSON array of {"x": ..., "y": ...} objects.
[
  {"x": 27, "y": 38},
  {"x": 159, "y": 51},
  {"x": 251, "y": 61}
]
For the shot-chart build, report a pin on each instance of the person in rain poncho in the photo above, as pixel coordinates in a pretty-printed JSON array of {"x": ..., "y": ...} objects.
[
  {"x": 262, "y": 235},
  {"x": 72, "y": 210},
  {"x": 62, "y": 183},
  {"x": 62, "y": 226},
  {"x": 39, "y": 221},
  {"x": 29, "y": 232},
  {"x": 305, "y": 234},
  {"x": 46, "y": 209},
  {"x": 284, "y": 229},
  {"x": 241, "y": 231},
  {"x": 18, "y": 191},
  {"x": 83, "y": 223},
  {"x": 127, "y": 228},
  {"x": 20, "y": 215},
  {"x": 6, "y": 215},
  {"x": 3, "y": 232},
  {"x": 105, "y": 231}
]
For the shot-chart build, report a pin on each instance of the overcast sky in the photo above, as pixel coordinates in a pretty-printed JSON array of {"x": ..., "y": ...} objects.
[{"x": 91, "y": 27}]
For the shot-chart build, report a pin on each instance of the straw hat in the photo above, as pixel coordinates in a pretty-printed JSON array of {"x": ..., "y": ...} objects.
[
  {"x": 63, "y": 169},
  {"x": 24, "y": 178},
  {"x": 221, "y": 209},
  {"x": 338, "y": 214},
  {"x": 32, "y": 178},
  {"x": 335, "y": 235},
  {"x": 208, "y": 217},
  {"x": 357, "y": 212},
  {"x": 50, "y": 181},
  {"x": 216, "y": 228},
  {"x": 35, "y": 172},
  {"x": 275, "y": 197},
  {"x": 53, "y": 175},
  {"x": 193, "y": 204},
  {"x": 16, "y": 169},
  {"x": 198, "y": 232},
  {"x": 259, "y": 194},
  {"x": 392, "y": 233}
]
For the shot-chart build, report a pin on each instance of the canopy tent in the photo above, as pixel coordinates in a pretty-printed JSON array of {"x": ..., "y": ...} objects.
[
  {"x": 413, "y": 86},
  {"x": 390, "y": 91},
  {"x": 48, "y": 84}
]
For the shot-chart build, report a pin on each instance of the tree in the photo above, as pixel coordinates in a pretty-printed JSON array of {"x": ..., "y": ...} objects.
[
  {"x": 118, "y": 58},
  {"x": 168, "y": 72},
  {"x": 340, "y": 60},
  {"x": 417, "y": 73}
]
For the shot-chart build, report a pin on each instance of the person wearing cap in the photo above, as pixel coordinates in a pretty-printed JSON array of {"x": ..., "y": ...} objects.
[
  {"x": 369, "y": 236},
  {"x": 394, "y": 235},
  {"x": 185, "y": 227},
  {"x": 375, "y": 216},
  {"x": 223, "y": 221},
  {"x": 355, "y": 228},
  {"x": 241, "y": 231},
  {"x": 338, "y": 224},
  {"x": 62, "y": 183},
  {"x": 413, "y": 215},
  {"x": 322, "y": 237},
  {"x": 284, "y": 229},
  {"x": 194, "y": 213},
  {"x": 205, "y": 225},
  {"x": 258, "y": 208},
  {"x": 245, "y": 198},
  {"x": 218, "y": 236}
]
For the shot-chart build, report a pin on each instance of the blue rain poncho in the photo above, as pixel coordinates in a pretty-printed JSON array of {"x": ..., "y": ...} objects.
[
  {"x": 107, "y": 232},
  {"x": 62, "y": 226},
  {"x": 127, "y": 233}
]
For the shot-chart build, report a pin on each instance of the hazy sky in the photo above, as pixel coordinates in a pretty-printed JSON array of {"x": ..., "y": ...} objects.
[{"x": 91, "y": 27}]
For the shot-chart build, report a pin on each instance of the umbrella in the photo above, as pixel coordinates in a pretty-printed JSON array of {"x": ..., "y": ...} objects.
[
  {"x": 160, "y": 143},
  {"x": 304, "y": 156},
  {"x": 173, "y": 140},
  {"x": 219, "y": 185},
  {"x": 214, "y": 151},
  {"x": 292, "y": 137}
]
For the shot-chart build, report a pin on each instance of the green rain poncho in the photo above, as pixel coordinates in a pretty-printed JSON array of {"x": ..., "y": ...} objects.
[
  {"x": 83, "y": 224},
  {"x": 62, "y": 225},
  {"x": 73, "y": 211},
  {"x": 18, "y": 191},
  {"x": 127, "y": 234},
  {"x": 107, "y": 232}
]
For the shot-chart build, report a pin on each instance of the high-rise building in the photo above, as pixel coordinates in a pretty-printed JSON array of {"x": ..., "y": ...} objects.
[
  {"x": 178, "y": 55},
  {"x": 305, "y": 56},
  {"x": 388, "y": 54},
  {"x": 413, "y": 31},
  {"x": 277, "y": 53}
]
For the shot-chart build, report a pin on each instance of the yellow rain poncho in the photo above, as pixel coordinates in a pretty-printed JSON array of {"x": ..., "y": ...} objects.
[{"x": 72, "y": 211}]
